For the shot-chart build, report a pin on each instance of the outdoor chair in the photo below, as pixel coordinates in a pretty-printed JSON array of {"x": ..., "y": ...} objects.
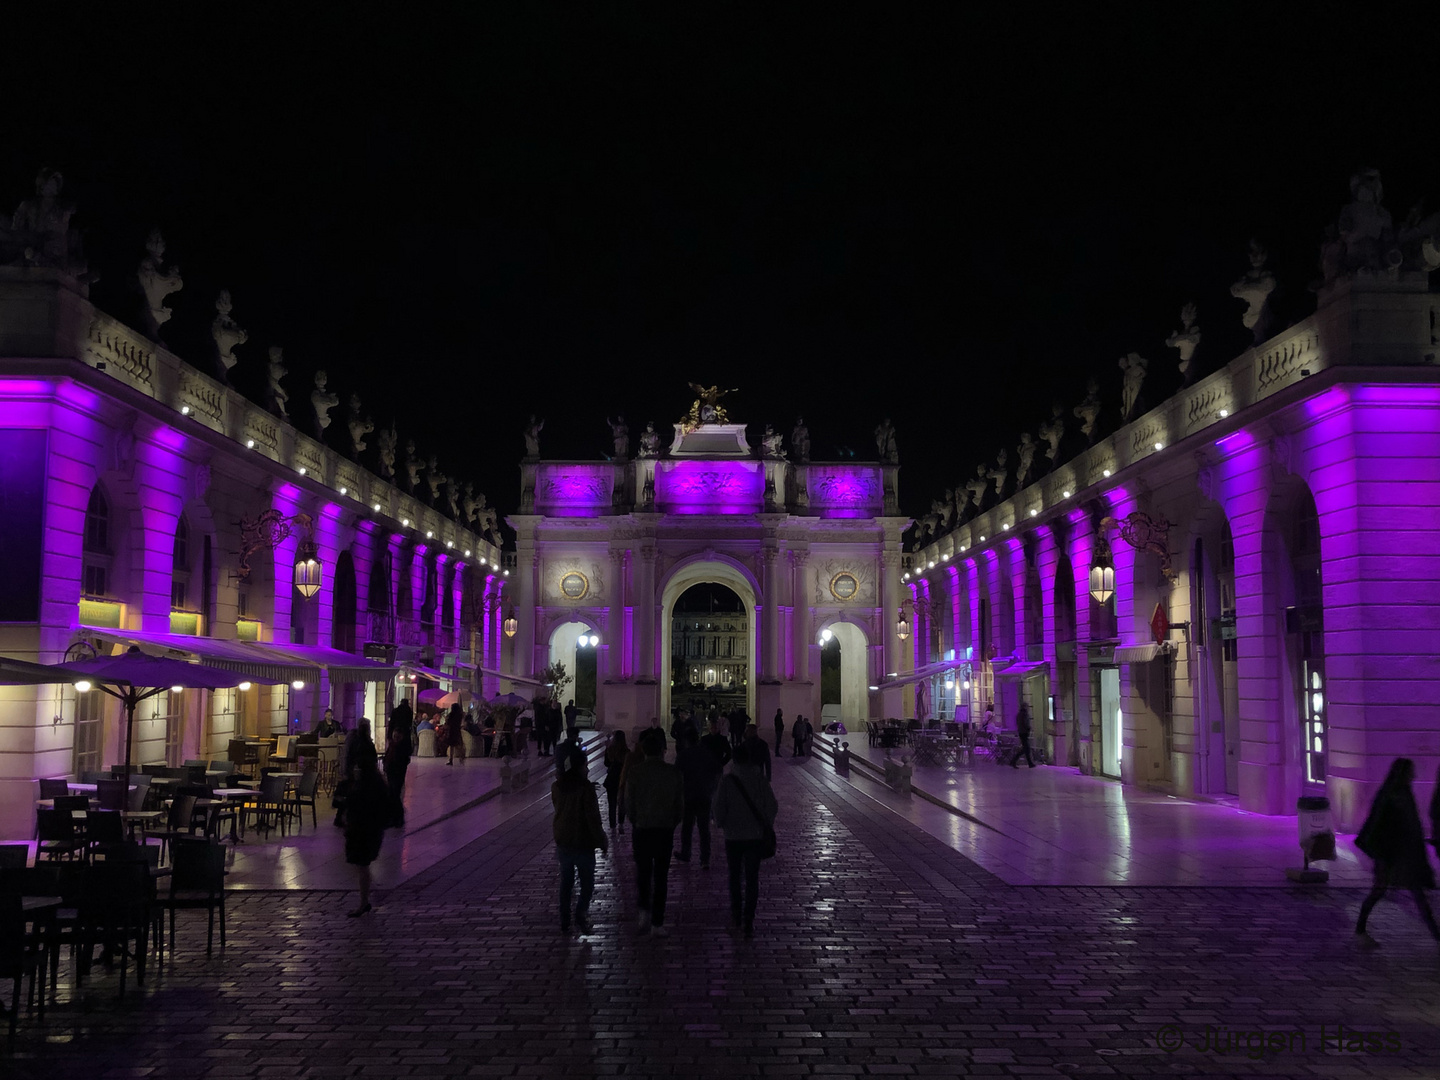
[
  {"x": 197, "y": 880},
  {"x": 269, "y": 804},
  {"x": 55, "y": 831},
  {"x": 179, "y": 824},
  {"x": 285, "y": 753},
  {"x": 302, "y": 796},
  {"x": 103, "y": 827},
  {"x": 329, "y": 762},
  {"x": 111, "y": 794},
  {"x": 20, "y": 954},
  {"x": 117, "y": 913},
  {"x": 54, "y": 789}
]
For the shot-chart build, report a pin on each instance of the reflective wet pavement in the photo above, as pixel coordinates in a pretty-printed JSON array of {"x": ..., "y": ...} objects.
[{"x": 879, "y": 950}]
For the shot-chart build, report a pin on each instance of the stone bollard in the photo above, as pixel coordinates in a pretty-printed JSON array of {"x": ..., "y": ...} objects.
[
  {"x": 842, "y": 760},
  {"x": 897, "y": 775}
]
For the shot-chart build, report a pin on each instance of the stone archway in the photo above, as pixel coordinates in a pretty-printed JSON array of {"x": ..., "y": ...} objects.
[
  {"x": 713, "y": 570},
  {"x": 564, "y": 647},
  {"x": 855, "y": 678}
]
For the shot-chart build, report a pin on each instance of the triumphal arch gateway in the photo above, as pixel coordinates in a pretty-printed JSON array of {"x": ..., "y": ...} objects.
[{"x": 812, "y": 549}]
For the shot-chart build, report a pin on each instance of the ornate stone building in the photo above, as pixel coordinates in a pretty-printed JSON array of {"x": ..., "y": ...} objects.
[
  {"x": 1236, "y": 593},
  {"x": 606, "y": 549}
]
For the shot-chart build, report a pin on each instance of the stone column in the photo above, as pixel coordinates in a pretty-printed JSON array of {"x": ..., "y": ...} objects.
[
  {"x": 613, "y": 643},
  {"x": 977, "y": 638},
  {"x": 804, "y": 613},
  {"x": 769, "y": 615},
  {"x": 527, "y": 569},
  {"x": 1086, "y": 719},
  {"x": 645, "y": 614},
  {"x": 1056, "y": 732},
  {"x": 890, "y": 597}
]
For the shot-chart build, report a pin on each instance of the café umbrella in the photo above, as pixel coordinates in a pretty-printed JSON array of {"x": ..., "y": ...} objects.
[{"x": 134, "y": 676}]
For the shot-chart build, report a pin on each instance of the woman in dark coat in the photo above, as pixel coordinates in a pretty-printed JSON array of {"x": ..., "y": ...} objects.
[
  {"x": 454, "y": 740},
  {"x": 1393, "y": 837},
  {"x": 615, "y": 755},
  {"x": 367, "y": 811}
]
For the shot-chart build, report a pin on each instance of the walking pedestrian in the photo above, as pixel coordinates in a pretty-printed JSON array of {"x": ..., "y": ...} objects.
[
  {"x": 367, "y": 809},
  {"x": 737, "y": 727},
  {"x": 779, "y": 730},
  {"x": 1393, "y": 837},
  {"x": 655, "y": 800},
  {"x": 571, "y": 726},
  {"x": 759, "y": 752},
  {"x": 454, "y": 744},
  {"x": 1022, "y": 731},
  {"x": 399, "y": 748},
  {"x": 615, "y": 754},
  {"x": 700, "y": 772},
  {"x": 717, "y": 744},
  {"x": 578, "y": 832},
  {"x": 745, "y": 810},
  {"x": 797, "y": 733}
]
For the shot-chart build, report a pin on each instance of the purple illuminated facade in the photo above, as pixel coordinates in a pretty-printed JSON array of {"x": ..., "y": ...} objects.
[
  {"x": 811, "y": 549},
  {"x": 1300, "y": 484},
  {"x": 123, "y": 474}
]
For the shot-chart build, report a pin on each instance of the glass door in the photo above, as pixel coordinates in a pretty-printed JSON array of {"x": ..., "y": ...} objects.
[{"x": 1110, "y": 722}]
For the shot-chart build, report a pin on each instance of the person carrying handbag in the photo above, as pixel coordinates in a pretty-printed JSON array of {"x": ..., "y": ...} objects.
[{"x": 745, "y": 811}]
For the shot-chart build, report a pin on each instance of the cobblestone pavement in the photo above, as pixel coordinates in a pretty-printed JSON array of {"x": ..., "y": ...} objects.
[{"x": 878, "y": 951}]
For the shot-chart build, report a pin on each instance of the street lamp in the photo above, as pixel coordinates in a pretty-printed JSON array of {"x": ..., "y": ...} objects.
[
  {"x": 269, "y": 530},
  {"x": 511, "y": 624},
  {"x": 1102, "y": 569},
  {"x": 902, "y": 626},
  {"x": 308, "y": 573}
]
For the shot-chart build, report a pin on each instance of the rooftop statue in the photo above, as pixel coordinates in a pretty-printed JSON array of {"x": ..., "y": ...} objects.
[
  {"x": 770, "y": 443},
  {"x": 452, "y": 499},
  {"x": 480, "y": 517},
  {"x": 39, "y": 232},
  {"x": 1364, "y": 242},
  {"x": 1052, "y": 431},
  {"x": 978, "y": 487},
  {"x": 885, "y": 442},
  {"x": 1255, "y": 289},
  {"x": 800, "y": 441},
  {"x": 412, "y": 467},
  {"x": 1025, "y": 459},
  {"x": 707, "y": 408},
  {"x": 620, "y": 432},
  {"x": 385, "y": 443},
  {"x": 947, "y": 508},
  {"x": 359, "y": 427},
  {"x": 278, "y": 371},
  {"x": 1184, "y": 341},
  {"x": 930, "y": 523},
  {"x": 157, "y": 281},
  {"x": 434, "y": 478},
  {"x": 1000, "y": 473},
  {"x": 650, "y": 441},
  {"x": 532, "y": 437},
  {"x": 322, "y": 401},
  {"x": 1134, "y": 366},
  {"x": 226, "y": 332},
  {"x": 1088, "y": 411}
]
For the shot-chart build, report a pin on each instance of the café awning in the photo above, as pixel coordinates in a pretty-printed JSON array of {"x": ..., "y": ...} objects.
[
  {"x": 229, "y": 655},
  {"x": 341, "y": 667},
  {"x": 1140, "y": 654},
  {"x": 1024, "y": 670}
]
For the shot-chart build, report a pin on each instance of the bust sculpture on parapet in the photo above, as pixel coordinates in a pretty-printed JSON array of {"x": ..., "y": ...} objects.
[
  {"x": 385, "y": 443},
  {"x": 359, "y": 427},
  {"x": 885, "y": 442},
  {"x": 707, "y": 408},
  {"x": 1134, "y": 366},
  {"x": 532, "y": 437},
  {"x": 157, "y": 281},
  {"x": 434, "y": 478},
  {"x": 412, "y": 468},
  {"x": 1255, "y": 289},
  {"x": 800, "y": 441},
  {"x": 1184, "y": 341},
  {"x": 39, "y": 232},
  {"x": 650, "y": 441},
  {"x": 322, "y": 401},
  {"x": 226, "y": 333},
  {"x": 1088, "y": 411},
  {"x": 1052, "y": 431},
  {"x": 770, "y": 443},
  {"x": 277, "y": 371},
  {"x": 620, "y": 434}
]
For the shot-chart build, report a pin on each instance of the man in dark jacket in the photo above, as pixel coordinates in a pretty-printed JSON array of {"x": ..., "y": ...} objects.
[
  {"x": 701, "y": 772},
  {"x": 655, "y": 804},
  {"x": 758, "y": 751},
  {"x": 578, "y": 831},
  {"x": 717, "y": 744},
  {"x": 1022, "y": 730}
]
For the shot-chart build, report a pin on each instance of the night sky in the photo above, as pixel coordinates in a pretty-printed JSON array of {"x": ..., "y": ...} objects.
[{"x": 845, "y": 211}]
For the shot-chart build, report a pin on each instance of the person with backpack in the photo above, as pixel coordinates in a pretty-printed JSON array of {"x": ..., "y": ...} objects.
[{"x": 745, "y": 810}]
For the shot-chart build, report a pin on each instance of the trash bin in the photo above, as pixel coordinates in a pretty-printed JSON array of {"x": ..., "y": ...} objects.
[{"x": 1317, "y": 837}]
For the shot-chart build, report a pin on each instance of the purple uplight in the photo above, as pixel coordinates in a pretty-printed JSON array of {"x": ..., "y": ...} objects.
[
  {"x": 574, "y": 490},
  {"x": 1235, "y": 440},
  {"x": 25, "y": 388},
  {"x": 846, "y": 490}
]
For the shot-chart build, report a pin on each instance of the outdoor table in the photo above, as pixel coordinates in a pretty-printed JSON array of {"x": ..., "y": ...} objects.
[
  {"x": 926, "y": 748},
  {"x": 140, "y": 817},
  {"x": 218, "y": 798}
]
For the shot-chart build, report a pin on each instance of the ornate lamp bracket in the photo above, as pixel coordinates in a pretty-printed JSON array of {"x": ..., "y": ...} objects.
[
  {"x": 269, "y": 530},
  {"x": 1145, "y": 533}
]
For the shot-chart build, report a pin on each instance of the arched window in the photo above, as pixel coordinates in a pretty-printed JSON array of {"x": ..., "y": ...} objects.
[
  {"x": 342, "y": 632},
  {"x": 180, "y": 568}
]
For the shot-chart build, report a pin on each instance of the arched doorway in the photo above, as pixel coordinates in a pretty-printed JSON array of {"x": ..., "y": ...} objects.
[
  {"x": 570, "y": 645},
  {"x": 844, "y": 649},
  {"x": 708, "y": 572},
  {"x": 709, "y": 657}
]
